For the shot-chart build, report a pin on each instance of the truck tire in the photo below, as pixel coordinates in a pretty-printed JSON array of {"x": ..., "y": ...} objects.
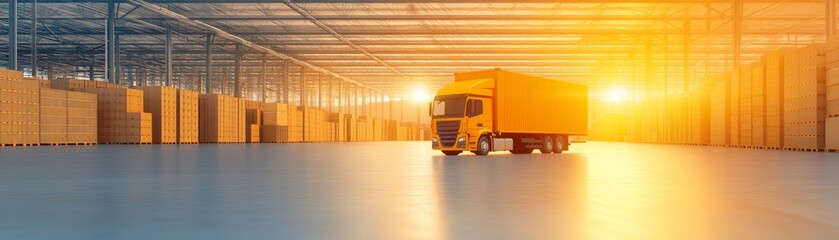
[
  {"x": 452, "y": 153},
  {"x": 547, "y": 145},
  {"x": 559, "y": 146},
  {"x": 483, "y": 146}
]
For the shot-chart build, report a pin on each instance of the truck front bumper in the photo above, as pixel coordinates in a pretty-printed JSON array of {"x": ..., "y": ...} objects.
[{"x": 460, "y": 143}]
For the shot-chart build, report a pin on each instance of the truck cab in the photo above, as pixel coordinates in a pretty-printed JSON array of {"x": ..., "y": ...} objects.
[{"x": 461, "y": 114}]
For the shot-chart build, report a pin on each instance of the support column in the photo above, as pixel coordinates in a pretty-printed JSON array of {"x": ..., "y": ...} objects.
[
  {"x": 34, "y": 38},
  {"x": 237, "y": 72},
  {"x": 364, "y": 106},
  {"x": 830, "y": 17},
  {"x": 686, "y": 60},
  {"x": 320, "y": 91},
  {"x": 736, "y": 30},
  {"x": 262, "y": 77},
  {"x": 117, "y": 61},
  {"x": 208, "y": 75},
  {"x": 285, "y": 82},
  {"x": 13, "y": 34},
  {"x": 340, "y": 93},
  {"x": 329, "y": 94},
  {"x": 303, "y": 98},
  {"x": 109, "y": 42},
  {"x": 167, "y": 78}
]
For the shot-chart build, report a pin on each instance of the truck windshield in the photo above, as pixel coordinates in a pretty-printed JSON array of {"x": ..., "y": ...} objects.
[{"x": 448, "y": 107}]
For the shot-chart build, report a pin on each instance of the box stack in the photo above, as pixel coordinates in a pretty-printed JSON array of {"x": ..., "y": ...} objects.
[
  {"x": 804, "y": 98},
  {"x": 377, "y": 129},
  {"x": 734, "y": 108},
  {"x": 162, "y": 103},
  {"x": 719, "y": 113},
  {"x": 275, "y": 123},
  {"x": 774, "y": 76},
  {"x": 337, "y": 125},
  {"x": 351, "y": 127},
  {"x": 745, "y": 105},
  {"x": 80, "y": 85},
  {"x": 699, "y": 116},
  {"x": 19, "y": 111},
  {"x": 120, "y": 116},
  {"x": 253, "y": 133},
  {"x": 295, "y": 124},
  {"x": 832, "y": 94},
  {"x": 82, "y": 120},
  {"x": 253, "y": 118},
  {"x": 187, "y": 117},
  {"x": 53, "y": 116},
  {"x": 758, "y": 106},
  {"x": 221, "y": 119},
  {"x": 392, "y": 130},
  {"x": 361, "y": 129}
]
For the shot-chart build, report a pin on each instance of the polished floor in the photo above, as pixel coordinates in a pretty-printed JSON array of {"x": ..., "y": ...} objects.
[{"x": 403, "y": 190}]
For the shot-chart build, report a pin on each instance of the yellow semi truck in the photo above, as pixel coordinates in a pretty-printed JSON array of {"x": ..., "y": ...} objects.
[{"x": 499, "y": 110}]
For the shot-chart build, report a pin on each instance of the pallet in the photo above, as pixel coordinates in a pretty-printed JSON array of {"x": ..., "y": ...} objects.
[
  {"x": 804, "y": 149},
  {"x": 20, "y": 145},
  {"x": 831, "y": 150}
]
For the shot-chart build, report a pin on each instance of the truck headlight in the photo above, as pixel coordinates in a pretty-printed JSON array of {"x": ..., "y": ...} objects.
[
  {"x": 461, "y": 140},
  {"x": 434, "y": 140}
]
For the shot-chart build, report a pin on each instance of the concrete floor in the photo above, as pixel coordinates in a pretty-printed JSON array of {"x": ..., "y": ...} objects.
[{"x": 403, "y": 190}]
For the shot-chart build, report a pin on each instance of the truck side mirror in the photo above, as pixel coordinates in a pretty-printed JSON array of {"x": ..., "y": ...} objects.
[{"x": 429, "y": 109}]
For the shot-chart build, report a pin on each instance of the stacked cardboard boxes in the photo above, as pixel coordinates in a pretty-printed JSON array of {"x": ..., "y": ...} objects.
[
  {"x": 19, "y": 109},
  {"x": 221, "y": 119},
  {"x": 734, "y": 108},
  {"x": 699, "y": 132},
  {"x": 758, "y": 106},
  {"x": 162, "y": 103},
  {"x": 351, "y": 127},
  {"x": 275, "y": 123},
  {"x": 719, "y": 113},
  {"x": 187, "y": 117},
  {"x": 746, "y": 105},
  {"x": 804, "y": 98},
  {"x": 295, "y": 124},
  {"x": 832, "y": 94},
  {"x": 80, "y": 85},
  {"x": 253, "y": 118},
  {"x": 82, "y": 118},
  {"x": 774, "y": 75},
  {"x": 120, "y": 116},
  {"x": 338, "y": 128},
  {"x": 53, "y": 116}
]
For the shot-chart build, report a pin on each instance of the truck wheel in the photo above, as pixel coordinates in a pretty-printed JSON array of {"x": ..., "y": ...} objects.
[
  {"x": 547, "y": 145},
  {"x": 483, "y": 146},
  {"x": 560, "y": 144},
  {"x": 452, "y": 153}
]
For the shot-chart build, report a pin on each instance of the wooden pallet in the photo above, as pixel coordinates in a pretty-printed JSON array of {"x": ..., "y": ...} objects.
[{"x": 804, "y": 149}]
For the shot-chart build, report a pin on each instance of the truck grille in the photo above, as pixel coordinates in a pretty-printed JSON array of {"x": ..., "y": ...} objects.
[{"x": 448, "y": 132}]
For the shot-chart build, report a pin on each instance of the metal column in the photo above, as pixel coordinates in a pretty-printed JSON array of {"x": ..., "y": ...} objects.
[
  {"x": 329, "y": 94},
  {"x": 33, "y": 36},
  {"x": 117, "y": 61},
  {"x": 303, "y": 97},
  {"x": 237, "y": 72},
  {"x": 109, "y": 42},
  {"x": 736, "y": 31},
  {"x": 340, "y": 85},
  {"x": 262, "y": 79},
  {"x": 13, "y": 34},
  {"x": 686, "y": 60},
  {"x": 169, "y": 45},
  {"x": 320, "y": 91},
  {"x": 830, "y": 17},
  {"x": 208, "y": 75},
  {"x": 285, "y": 82}
]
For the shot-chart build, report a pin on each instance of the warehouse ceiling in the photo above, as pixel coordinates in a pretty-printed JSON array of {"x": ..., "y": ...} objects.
[{"x": 396, "y": 45}]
